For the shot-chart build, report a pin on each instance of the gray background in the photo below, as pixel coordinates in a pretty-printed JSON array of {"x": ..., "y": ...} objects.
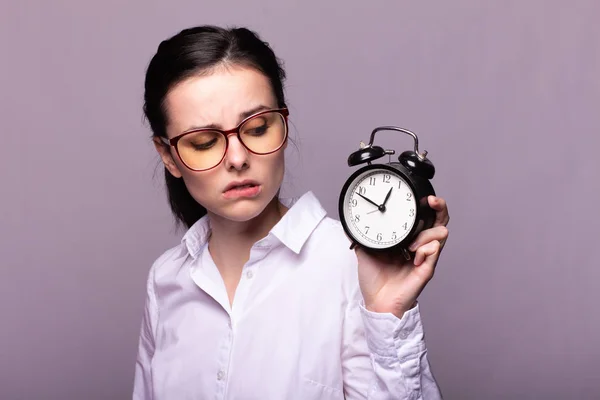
[{"x": 504, "y": 96}]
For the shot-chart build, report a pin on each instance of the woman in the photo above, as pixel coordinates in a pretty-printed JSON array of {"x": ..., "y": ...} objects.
[{"x": 263, "y": 299}]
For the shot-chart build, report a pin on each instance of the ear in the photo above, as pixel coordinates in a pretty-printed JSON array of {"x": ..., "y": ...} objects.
[{"x": 164, "y": 150}]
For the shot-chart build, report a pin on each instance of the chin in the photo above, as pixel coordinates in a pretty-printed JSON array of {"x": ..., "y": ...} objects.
[
  {"x": 244, "y": 210},
  {"x": 242, "y": 214}
]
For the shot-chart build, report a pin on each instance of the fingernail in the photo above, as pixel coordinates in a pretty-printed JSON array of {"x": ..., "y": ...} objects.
[{"x": 413, "y": 246}]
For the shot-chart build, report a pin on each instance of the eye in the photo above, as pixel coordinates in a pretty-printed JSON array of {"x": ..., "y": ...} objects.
[
  {"x": 259, "y": 130},
  {"x": 257, "y": 126},
  {"x": 204, "y": 145},
  {"x": 202, "y": 140},
  {"x": 256, "y": 130}
]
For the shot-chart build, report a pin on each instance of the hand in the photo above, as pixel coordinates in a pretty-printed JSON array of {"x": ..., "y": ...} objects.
[{"x": 393, "y": 284}]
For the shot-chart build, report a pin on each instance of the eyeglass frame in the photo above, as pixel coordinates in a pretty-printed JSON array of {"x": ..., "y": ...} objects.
[{"x": 284, "y": 112}]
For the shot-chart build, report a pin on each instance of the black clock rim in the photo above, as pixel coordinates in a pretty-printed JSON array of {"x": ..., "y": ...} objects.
[{"x": 397, "y": 169}]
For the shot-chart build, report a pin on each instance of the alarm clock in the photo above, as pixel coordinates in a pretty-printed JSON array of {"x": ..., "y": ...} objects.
[{"x": 383, "y": 206}]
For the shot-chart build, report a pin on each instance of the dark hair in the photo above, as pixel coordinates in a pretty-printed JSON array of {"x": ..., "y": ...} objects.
[{"x": 189, "y": 53}]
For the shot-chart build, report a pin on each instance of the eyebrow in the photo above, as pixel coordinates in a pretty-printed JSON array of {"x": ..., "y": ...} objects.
[{"x": 242, "y": 116}]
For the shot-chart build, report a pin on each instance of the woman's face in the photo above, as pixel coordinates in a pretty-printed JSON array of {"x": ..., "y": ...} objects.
[{"x": 222, "y": 99}]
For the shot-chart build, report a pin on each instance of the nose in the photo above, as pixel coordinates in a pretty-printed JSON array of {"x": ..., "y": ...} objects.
[{"x": 236, "y": 156}]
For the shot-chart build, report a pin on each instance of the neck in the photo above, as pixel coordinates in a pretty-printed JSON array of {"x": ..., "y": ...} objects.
[{"x": 230, "y": 241}]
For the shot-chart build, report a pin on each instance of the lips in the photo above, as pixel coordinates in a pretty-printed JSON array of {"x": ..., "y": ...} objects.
[
  {"x": 240, "y": 185},
  {"x": 242, "y": 190}
]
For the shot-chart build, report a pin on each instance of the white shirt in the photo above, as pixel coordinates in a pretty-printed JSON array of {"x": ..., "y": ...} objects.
[{"x": 298, "y": 328}]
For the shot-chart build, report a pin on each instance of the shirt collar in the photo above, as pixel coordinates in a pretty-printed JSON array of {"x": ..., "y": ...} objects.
[
  {"x": 197, "y": 236},
  {"x": 292, "y": 230},
  {"x": 296, "y": 226}
]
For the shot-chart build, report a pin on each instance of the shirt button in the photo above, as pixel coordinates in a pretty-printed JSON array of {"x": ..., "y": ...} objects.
[
  {"x": 220, "y": 375},
  {"x": 249, "y": 274},
  {"x": 403, "y": 335}
]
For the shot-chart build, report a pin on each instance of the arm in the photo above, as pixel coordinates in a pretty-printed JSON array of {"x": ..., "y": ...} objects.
[
  {"x": 384, "y": 357},
  {"x": 142, "y": 388},
  {"x": 389, "y": 314}
]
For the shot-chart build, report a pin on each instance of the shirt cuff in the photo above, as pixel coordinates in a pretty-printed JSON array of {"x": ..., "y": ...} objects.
[{"x": 391, "y": 337}]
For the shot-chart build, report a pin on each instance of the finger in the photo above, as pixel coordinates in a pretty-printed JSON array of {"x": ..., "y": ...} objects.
[
  {"x": 439, "y": 205},
  {"x": 439, "y": 233},
  {"x": 426, "y": 252}
]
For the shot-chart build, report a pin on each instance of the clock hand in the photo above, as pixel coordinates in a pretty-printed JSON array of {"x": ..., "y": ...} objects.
[
  {"x": 369, "y": 200},
  {"x": 387, "y": 197}
]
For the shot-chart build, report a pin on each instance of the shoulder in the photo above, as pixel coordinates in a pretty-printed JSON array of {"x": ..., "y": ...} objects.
[
  {"x": 329, "y": 237},
  {"x": 325, "y": 236},
  {"x": 167, "y": 263},
  {"x": 328, "y": 249},
  {"x": 331, "y": 230},
  {"x": 328, "y": 259}
]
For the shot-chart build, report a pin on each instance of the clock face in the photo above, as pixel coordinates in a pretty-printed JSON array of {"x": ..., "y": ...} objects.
[{"x": 374, "y": 221}]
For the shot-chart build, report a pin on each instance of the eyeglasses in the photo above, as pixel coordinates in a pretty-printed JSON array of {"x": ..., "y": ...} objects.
[{"x": 203, "y": 149}]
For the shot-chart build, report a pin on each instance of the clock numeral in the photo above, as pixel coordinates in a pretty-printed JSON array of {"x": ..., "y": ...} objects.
[
  {"x": 353, "y": 202},
  {"x": 357, "y": 218},
  {"x": 394, "y": 236},
  {"x": 366, "y": 230},
  {"x": 399, "y": 184},
  {"x": 379, "y": 237},
  {"x": 362, "y": 190},
  {"x": 411, "y": 213},
  {"x": 405, "y": 226},
  {"x": 408, "y": 196},
  {"x": 386, "y": 178},
  {"x": 372, "y": 181}
]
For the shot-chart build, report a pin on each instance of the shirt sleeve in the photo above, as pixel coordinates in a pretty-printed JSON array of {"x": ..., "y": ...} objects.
[
  {"x": 142, "y": 387},
  {"x": 384, "y": 357}
]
